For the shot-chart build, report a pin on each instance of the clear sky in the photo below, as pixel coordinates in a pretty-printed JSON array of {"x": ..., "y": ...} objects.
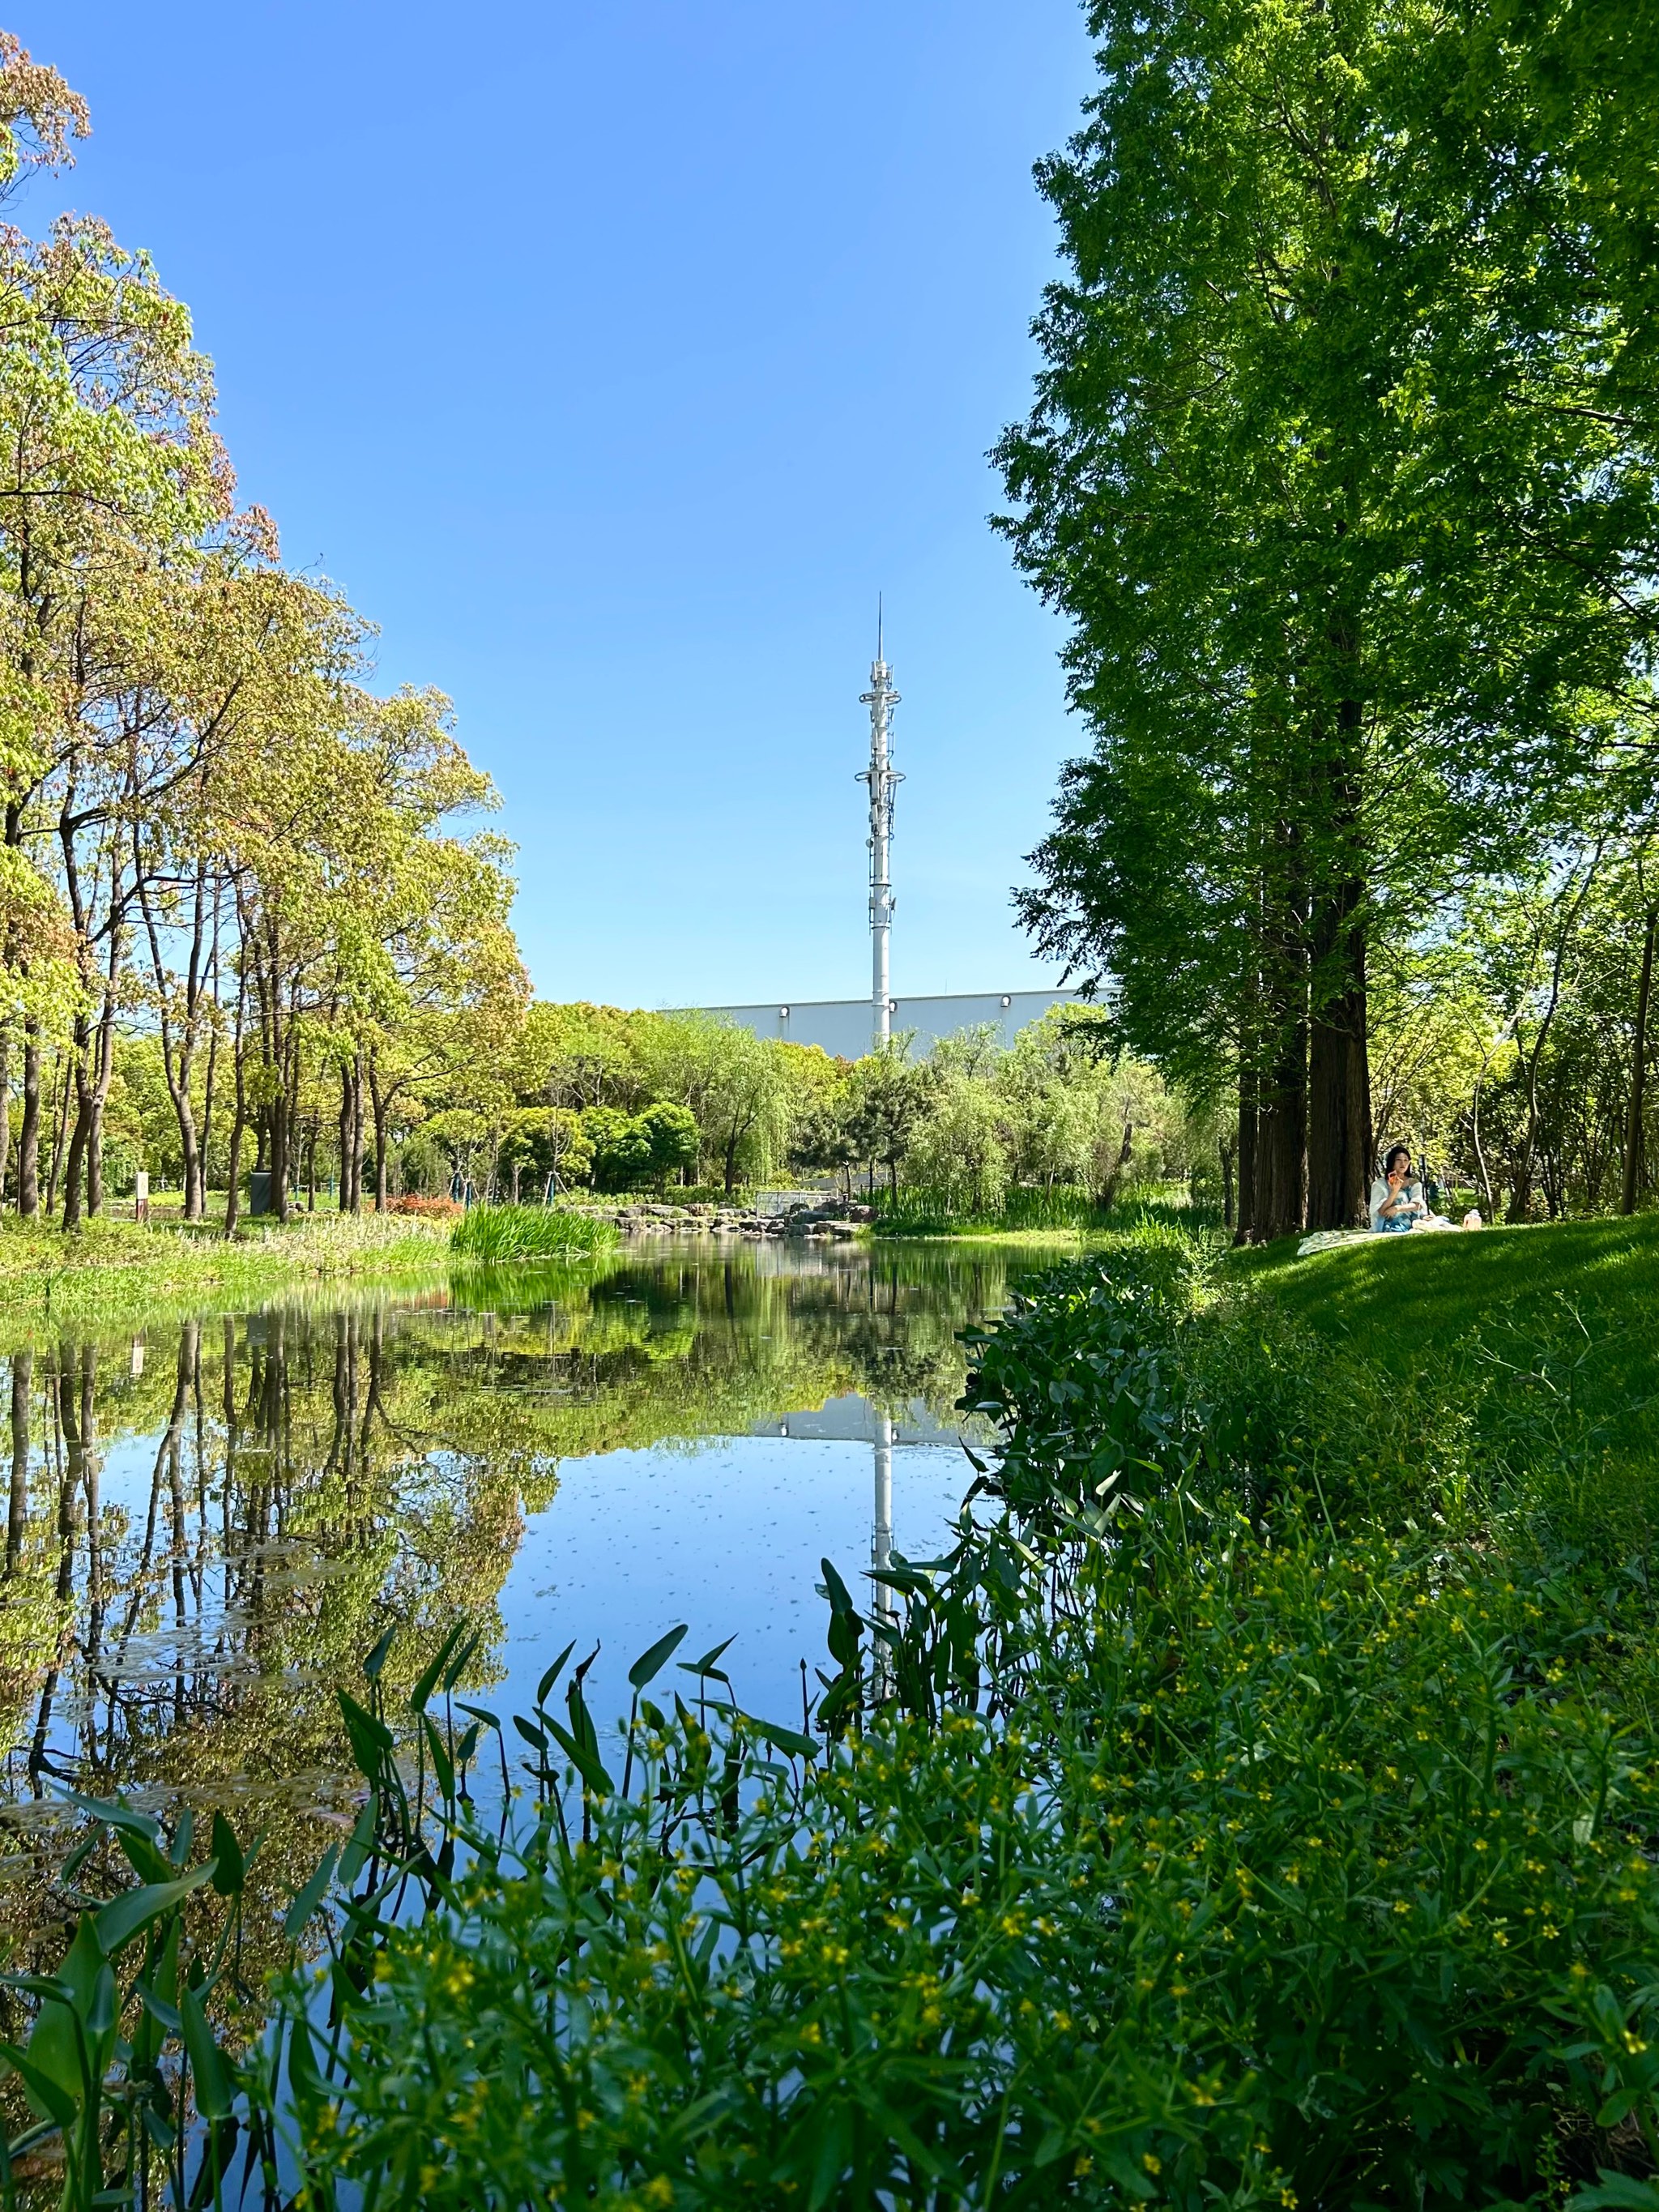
[{"x": 612, "y": 356}]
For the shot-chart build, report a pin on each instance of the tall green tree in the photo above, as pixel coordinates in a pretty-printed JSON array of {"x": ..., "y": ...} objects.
[{"x": 1320, "y": 468}]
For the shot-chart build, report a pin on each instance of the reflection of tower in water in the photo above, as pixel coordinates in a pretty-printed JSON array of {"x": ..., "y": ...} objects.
[{"x": 884, "y": 1606}]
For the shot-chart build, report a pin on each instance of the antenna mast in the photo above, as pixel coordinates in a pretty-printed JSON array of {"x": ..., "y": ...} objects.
[{"x": 882, "y": 779}]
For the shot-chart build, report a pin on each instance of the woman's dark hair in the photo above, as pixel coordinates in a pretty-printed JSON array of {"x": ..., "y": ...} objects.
[{"x": 1397, "y": 1152}]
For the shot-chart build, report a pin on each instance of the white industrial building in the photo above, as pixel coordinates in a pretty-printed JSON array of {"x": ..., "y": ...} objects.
[{"x": 842, "y": 1026}]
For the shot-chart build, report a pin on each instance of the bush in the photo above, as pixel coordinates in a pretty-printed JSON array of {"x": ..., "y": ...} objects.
[{"x": 426, "y": 1209}]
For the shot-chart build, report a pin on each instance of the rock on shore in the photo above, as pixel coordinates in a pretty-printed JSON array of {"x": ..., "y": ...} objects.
[{"x": 828, "y": 1219}]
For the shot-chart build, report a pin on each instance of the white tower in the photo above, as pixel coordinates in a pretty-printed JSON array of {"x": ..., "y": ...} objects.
[{"x": 882, "y": 779}]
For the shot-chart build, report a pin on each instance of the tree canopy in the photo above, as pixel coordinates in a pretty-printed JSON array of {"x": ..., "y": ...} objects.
[{"x": 1332, "y": 468}]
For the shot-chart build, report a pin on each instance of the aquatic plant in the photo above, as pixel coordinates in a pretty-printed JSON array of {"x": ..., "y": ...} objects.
[{"x": 495, "y": 1234}]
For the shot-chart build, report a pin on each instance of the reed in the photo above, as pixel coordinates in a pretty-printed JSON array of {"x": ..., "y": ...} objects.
[{"x": 498, "y": 1234}]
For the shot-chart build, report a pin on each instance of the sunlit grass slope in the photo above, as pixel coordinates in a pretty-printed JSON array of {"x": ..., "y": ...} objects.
[{"x": 1589, "y": 1290}]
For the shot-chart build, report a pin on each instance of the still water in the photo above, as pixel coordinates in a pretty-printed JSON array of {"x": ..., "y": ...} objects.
[{"x": 212, "y": 1523}]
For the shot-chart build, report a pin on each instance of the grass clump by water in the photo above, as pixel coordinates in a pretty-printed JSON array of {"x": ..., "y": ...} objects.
[
  {"x": 111, "y": 1273},
  {"x": 1255, "y": 1802},
  {"x": 496, "y": 1234}
]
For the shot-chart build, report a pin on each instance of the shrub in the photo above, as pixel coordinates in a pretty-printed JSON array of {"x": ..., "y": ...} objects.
[{"x": 428, "y": 1209}]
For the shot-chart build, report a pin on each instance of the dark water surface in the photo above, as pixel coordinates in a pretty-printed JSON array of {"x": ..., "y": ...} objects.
[{"x": 212, "y": 1523}]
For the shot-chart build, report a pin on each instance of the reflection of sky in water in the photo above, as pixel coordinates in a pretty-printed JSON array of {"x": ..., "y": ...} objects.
[{"x": 728, "y": 1538}]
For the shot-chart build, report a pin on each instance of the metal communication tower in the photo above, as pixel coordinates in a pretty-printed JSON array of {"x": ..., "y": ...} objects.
[{"x": 883, "y": 780}]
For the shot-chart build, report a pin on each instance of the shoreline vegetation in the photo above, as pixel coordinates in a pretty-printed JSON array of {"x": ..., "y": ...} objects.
[{"x": 1273, "y": 1734}]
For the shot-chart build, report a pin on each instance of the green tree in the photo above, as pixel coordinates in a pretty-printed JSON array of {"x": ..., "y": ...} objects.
[{"x": 1320, "y": 469}]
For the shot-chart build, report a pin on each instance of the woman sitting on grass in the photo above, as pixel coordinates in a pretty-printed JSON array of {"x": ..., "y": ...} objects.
[{"x": 1397, "y": 1199}]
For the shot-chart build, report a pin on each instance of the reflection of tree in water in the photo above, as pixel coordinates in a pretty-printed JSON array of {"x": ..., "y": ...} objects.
[
  {"x": 314, "y": 1473},
  {"x": 304, "y": 1484}
]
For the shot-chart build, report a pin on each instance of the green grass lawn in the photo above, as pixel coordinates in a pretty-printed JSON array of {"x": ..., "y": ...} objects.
[{"x": 1580, "y": 1297}]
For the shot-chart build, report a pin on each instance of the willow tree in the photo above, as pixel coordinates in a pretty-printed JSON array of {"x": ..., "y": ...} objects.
[{"x": 1320, "y": 469}]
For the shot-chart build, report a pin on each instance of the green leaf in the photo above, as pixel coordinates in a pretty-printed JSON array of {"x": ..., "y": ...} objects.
[
  {"x": 311, "y": 1896},
  {"x": 462, "y": 1659},
  {"x": 116, "y": 1815},
  {"x": 787, "y": 1740},
  {"x": 230, "y": 1867},
  {"x": 426, "y": 1681},
  {"x": 1618, "y": 2192},
  {"x": 650, "y": 1664},
  {"x": 370, "y": 1739},
  {"x": 443, "y": 1766},
  {"x": 46, "y": 2095},
  {"x": 551, "y": 1676},
  {"x": 586, "y": 1762},
  {"x": 134, "y": 1910},
  {"x": 213, "y": 2078},
  {"x": 377, "y": 1658},
  {"x": 841, "y": 1598}
]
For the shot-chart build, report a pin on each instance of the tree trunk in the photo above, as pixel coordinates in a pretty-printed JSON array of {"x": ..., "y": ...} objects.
[
  {"x": 1338, "y": 1074},
  {"x": 59, "y": 1130},
  {"x": 1249, "y": 1179},
  {"x": 178, "y": 1054},
  {"x": 1229, "y": 1156},
  {"x": 238, "y": 1118},
  {"x": 200, "y": 1213},
  {"x": 93, "y": 1063},
  {"x": 104, "y": 1076},
  {"x": 1633, "y": 1144},
  {"x": 185, "y": 1115},
  {"x": 74, "y": 1166},
  {"x": 342, "y": 1199},
  {"x": 357, "y": 1151},
  {"x": 234, "y": 1194},
  {"x": 1106, "y": 1195},
  {"x": 378, "y": 1104},
  {"x": 279, "y": 1153},
  {"x": 28, "y": 1135},
  {"x": 1282, "y": 1142}
]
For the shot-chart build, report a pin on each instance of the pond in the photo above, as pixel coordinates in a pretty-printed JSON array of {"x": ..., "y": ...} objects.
[{"x": 212, "y": 1523}]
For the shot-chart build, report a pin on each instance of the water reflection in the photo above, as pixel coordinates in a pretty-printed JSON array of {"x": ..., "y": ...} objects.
[{"x": 208, "y": 1527}]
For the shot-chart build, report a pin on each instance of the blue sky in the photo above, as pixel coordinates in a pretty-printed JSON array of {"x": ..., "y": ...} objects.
[{"x": 612, "y": 357}]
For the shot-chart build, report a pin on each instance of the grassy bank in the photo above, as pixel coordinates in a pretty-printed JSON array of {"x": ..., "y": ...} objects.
[
  {"x": 1556, "y": 1324},
  {"x": 1060, "y": 1211},
  {"x": 120, "y": 1271},
  {"x": 1255, "y": 1804}
]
